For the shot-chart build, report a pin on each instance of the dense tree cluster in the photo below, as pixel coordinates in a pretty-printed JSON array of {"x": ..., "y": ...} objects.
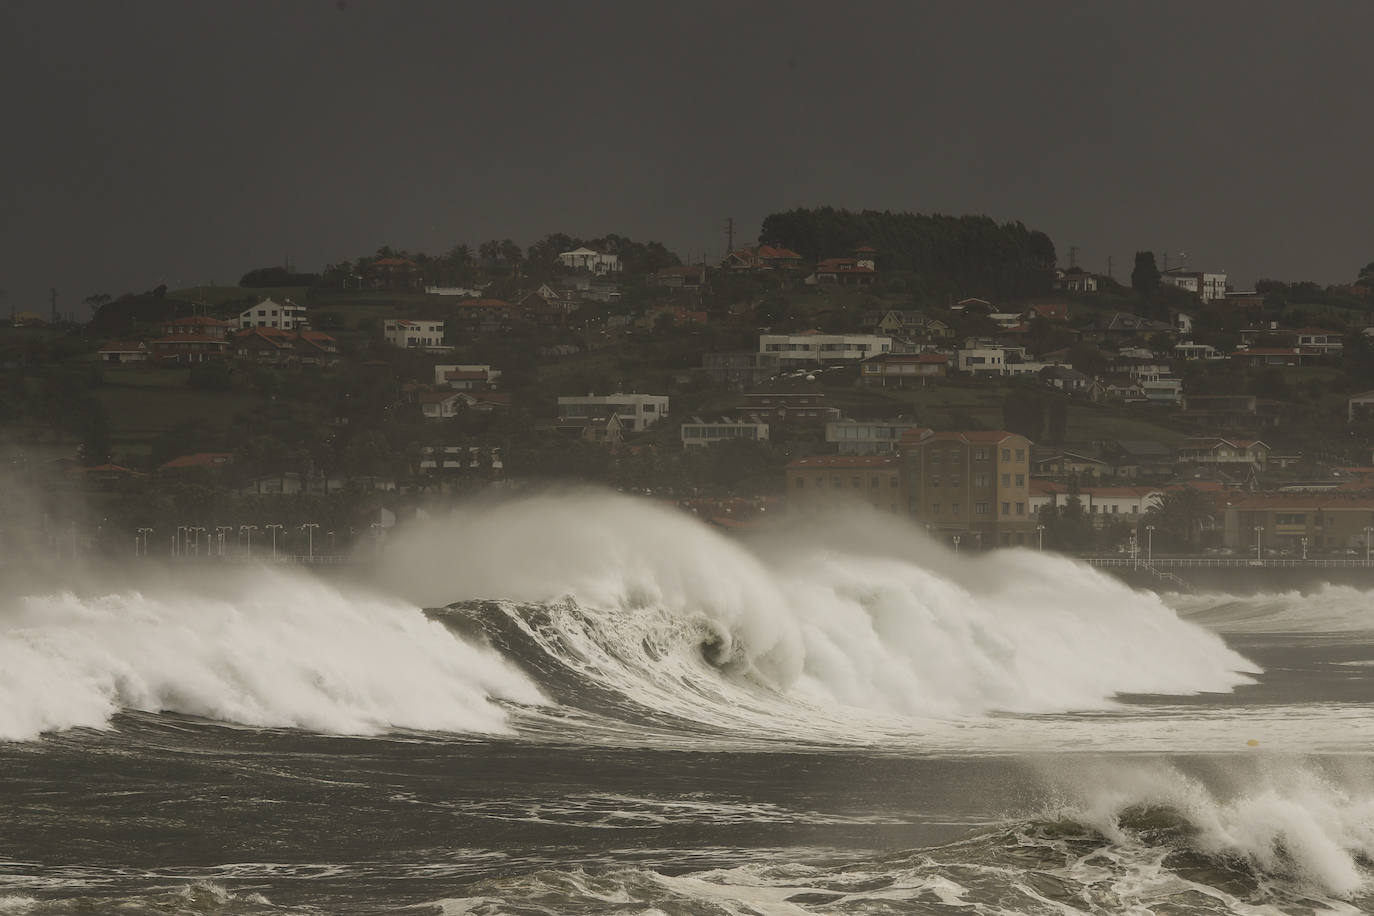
[{"x": 952, "y": 255}]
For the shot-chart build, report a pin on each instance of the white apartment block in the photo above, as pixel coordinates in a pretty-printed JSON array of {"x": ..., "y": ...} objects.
[
  {"x": 985, "y": 358},
  {"x": 287, "y": 315},
  {"x": 412, "y": 333},
  {"x": 812, "y": 349},
  {"x": 637, "y": 412},
  {"x": 1205, "y": 286}
]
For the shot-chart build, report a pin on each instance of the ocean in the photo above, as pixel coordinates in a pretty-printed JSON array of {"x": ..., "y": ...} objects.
[{"x": 585, "y": 703}]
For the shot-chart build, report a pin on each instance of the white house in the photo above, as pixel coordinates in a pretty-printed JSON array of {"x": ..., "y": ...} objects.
[
  {"x": 1102, "y": 503},
  {"x": 1190, "y": 350},
  {"x": 412, "y": 333},
  {"x": 700, "y": 432},
  {"x": 637, "y": 412},
  {"x": 269, "y": 314},
  {"x": 594, "y": 261},
  {"x": 814, "y": 348},
  {"x": 1163, "y": 390},
  {"x": 985, "y": 357}
]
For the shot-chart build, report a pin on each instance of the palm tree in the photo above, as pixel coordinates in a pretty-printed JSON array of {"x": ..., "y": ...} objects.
[{"x": 1181, "y": 515}]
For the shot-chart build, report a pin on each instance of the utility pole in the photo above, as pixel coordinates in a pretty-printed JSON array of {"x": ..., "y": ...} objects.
[
  {"x": 1073, "y": 256},
  {"x": 52, "y": 296},
  {"x": 729, "y": 235},
  {"x": 1109, "y": 268}
]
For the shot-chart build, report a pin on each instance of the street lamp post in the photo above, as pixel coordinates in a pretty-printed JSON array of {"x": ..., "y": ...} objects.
[
  {"x": 309, "y": 528},
  {"x": 1259, "y": 531},
  {"x": 1367, "y": 533},
  {"x": 274, "y": 529},
  {"x": 177, "y": 548},
  {"x": 219, "y": 536},
  {"x": 1149, "y": 544},
  {"x": 248, "y": 529},
  {"x": 1304, "y": 548},
  {"x": 143, "y": 533},
  {"x": 199, "y": 532},
  {"x": 1135, "y": 552},
  {"x": 1040, "y": 533},
  {"x": 956, "y": 543}
]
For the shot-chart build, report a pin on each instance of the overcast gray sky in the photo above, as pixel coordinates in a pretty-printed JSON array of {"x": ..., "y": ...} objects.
[{"x": 187, "y": 142}]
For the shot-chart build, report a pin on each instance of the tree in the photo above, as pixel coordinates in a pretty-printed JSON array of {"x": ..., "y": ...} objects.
[
  {"x": 1058, "y": 421},
  {"x": 1180, "y": 515},
  {"x": 96, "y": 301},
  {"x": 1023, "y": 412},
  {"x": 1145, "y": 274}
]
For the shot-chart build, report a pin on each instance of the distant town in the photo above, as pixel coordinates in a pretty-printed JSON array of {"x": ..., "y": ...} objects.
[{"x": 950, "y": 371}]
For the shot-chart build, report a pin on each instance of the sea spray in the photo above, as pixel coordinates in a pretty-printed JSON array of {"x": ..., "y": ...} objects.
[
  {"x": 267, "y": 648},
  {"x": 859, "y": 609}
]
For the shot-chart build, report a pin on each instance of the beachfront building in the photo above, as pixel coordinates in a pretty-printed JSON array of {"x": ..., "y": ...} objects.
[
  {"x": 973, "y": 485},
  {"x": 838, "y": 479}
]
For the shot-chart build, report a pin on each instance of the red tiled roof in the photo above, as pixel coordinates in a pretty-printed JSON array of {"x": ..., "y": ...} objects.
[
  {"x": 769, "y": 252},
  {"x": 458, "y": 375},
  {"x": 191, "y": 338},
  {"x": 198, "y": 460}
]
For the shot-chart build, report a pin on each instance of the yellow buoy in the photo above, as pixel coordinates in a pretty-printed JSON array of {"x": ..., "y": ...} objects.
[{"x": 1253, "y": 743}]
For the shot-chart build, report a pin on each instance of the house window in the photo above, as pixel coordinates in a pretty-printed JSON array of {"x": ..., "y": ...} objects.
[
  {"x": 953, "y": 508},
  {"x": 1020, "y": 480},
  {"x": 856, "y": 482},
  {"x": 893, "y": 481},
  {"x": 876, "y": 482},
  {"x": 935, "y": 458},
  {"x": 1020, "y": 508},
  {"x": 980, "y": 508},
  {"x": 1006, "y": 508},
  {"x": 934, "y": 508},
  {"x": 980, "y": 454},
  {"x": 836, "y": 483},
  {"x": 1020, "y": 454},
  {"x": 1115, "y": 509},
  {"x": 935, "y": 481},
  {"x": 1006, "y": 480},
  {"x": 1006, "y": 454},
  {"x": 980, "y": 479},
  {"x": 801, "y": 482}
]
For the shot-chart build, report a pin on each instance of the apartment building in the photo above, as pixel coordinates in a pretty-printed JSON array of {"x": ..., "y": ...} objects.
[
  {"x": 867, "y": 437},
  {"x": 287, "y": 315},
  {"x": 974, "y": 485},
  {"x": 830, "y": 479},
  {"x": 708, "y": 432}
]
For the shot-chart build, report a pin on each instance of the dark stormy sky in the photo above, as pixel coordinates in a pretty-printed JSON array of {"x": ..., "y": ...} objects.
[{"x": 186, "y": 142}]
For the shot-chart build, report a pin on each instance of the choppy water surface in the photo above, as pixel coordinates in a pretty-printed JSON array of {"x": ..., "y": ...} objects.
[{"x": 619, "y": 711}]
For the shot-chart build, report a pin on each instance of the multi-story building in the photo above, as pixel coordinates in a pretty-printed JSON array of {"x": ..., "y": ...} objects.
[
  {"x": 595, "y": 261},
  {"x": 1103, "y": 504},
  {"x": 637, "y": 412},
  {"x": 812, "y": 348},
  {"x": 191, "y": 340},
  {"x": 867, "y": 437},
  {"x": 787, "y": 408},
  {"x": 1327, "y": 521},
  {"x": 413, "y": 333},
  {"x": 1208, "y": 287},
  {"x": 877, "y": 481},
  {"x": 288, "y": 316},
  {"x": 973, "y": 485},
  {"x": 707, "y": 432}
]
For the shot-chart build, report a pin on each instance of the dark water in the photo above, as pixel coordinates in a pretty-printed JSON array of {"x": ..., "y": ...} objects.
[{"x": 602, "y": 800}]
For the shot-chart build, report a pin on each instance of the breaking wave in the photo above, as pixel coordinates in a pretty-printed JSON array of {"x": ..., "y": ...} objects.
[
  {"x": 1284, "y": 837},
  {"x": 270, "y": 649},
  {"x": 1329, "y": 609},
  {"x": 845, "y": 628}
]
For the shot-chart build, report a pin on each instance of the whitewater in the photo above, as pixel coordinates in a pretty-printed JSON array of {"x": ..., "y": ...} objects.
[{"x": 574, "y": 701}]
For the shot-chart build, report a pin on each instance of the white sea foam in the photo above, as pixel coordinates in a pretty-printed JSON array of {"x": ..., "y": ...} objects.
[
  {"x": 270, "y": 648},
  {"x": 1298, "y": 820},
  {"x": 1329, "y": 609},
  {"x": 855, "y": 611}
]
